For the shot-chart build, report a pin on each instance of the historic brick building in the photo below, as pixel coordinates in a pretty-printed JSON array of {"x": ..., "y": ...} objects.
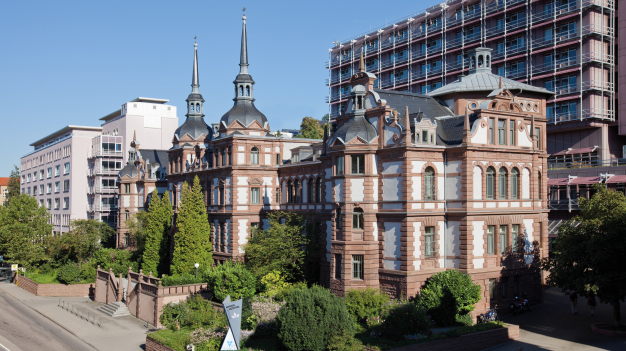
[{"x": 404, "y": 185}]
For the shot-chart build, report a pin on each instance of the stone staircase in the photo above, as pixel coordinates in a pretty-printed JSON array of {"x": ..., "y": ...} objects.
[{"x": 115, "y": 309}]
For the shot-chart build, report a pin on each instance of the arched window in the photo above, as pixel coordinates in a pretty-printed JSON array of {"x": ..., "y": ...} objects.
[
  {"x": 289, "y": 192},
  {"x": 480, "y": 61},
  {"x": 247, "y": 90},
  {"x": 490, "y": 182},
  {"x": 429, "y": 184},
  {"x": 502, "y": 183},
  {"x": 318, "y": 190},
  {"x": 297, "y": 191},
  {"x": 357, "y": 218},
  {"x": 241, "y": 90},
  {"x": 309, "y": 191},
  {"x": 514, "y": 183},
  {"x": 488, "y": 61},
  {"x": 254, "y": 156}
]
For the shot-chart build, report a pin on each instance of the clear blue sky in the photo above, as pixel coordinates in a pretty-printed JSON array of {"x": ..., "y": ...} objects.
[{"x": 72, "y": 62}]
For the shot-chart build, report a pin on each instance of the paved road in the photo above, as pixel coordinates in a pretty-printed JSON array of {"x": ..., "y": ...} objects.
[
  {"x": 22, "y": 329},
  {"x": 551, "y": 326}
]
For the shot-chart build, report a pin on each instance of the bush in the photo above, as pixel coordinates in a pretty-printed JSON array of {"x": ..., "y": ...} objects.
[
  {"x": 344, "y": 341},
  {"x": 118, "y": 260},
  {"x": 195, "y": 312},
  {"x": 46, "y": 268},
  {"x": 402, "y": 320},
  {"x": 465, "y": 319},
  {"x": 88, "y": 273},
  {"x": 363, "y": 304},
  {"x": 69, "y": 274},
  {"x": 230, "y": 279},
  {"x": 311, "y": 318},
  {"x": 447, "y": 295},
  {"x": 181, "y": 280}
]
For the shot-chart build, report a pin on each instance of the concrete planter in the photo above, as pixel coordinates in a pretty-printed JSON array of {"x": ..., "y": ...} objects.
[
  {"x": 469, "y": 342},
  {"x": 55, "y": 290}
]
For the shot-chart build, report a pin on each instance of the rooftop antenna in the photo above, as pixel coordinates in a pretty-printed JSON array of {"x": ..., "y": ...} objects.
[{"x": 244, "y": 10}]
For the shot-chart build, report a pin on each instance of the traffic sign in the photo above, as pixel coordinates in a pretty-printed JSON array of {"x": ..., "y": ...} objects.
[{"x": 14, "y": 267}]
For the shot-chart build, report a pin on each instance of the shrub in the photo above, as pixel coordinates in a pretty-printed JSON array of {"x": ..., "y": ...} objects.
[
  {"x": 230, "y": 279},
  {"x": 46, "y": 268},
  {"x": 194, "y": 312},
  {"x": 448, "y": 294},
  {"x": 401, "y": 320},
  {"x": 310, "y": 318},
  {"x": 88, "y": 273},
  {"x": 344, "y": 341},
  {"x": 183, "y": 279},
  {"x": 363, "y": 304},
  {"x": 118, "y": 260},
  {"x": 68, "y": 274},
  {"x": 465, "y": 319}
]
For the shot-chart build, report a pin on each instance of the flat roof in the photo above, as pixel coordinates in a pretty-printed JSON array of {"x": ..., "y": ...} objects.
[
  {"x": 117, "y": 113},
  {"x": 65, "y": 130}
]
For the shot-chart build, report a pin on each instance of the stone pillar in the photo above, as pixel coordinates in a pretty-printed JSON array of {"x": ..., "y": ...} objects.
[
  {"x": 129, "y": 287},
  {"x": 120, "y": 289}
]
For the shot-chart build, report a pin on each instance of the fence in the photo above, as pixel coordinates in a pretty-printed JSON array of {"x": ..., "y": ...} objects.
[{"x": 144, "y": 296}]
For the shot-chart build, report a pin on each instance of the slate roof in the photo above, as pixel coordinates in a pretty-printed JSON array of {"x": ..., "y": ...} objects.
[
  {"x": 430, "y": 106},
  {"x": 355, "y": 126},
  {"x": 450, "y": 129},
  {"x": 245, "y": 112},
  {"x": 485, "y": 81},
  {"x": 195, "y": 127},
  {"x": 150, "y": 156}
]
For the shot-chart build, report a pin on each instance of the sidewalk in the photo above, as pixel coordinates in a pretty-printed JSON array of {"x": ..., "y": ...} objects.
[{"x": 120, "y": 333}]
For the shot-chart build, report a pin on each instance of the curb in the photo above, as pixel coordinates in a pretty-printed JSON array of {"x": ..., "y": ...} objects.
[
  {"x": 50, "y": 319},
  {"x": 595, "y": 329}
]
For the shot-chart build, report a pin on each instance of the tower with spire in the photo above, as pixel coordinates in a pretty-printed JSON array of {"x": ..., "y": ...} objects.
[
  {"x": 194, "y": 128},
  {"x": 244, "y": 117}
]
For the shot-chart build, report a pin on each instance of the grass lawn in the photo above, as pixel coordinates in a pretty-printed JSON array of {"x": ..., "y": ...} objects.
[
  {"x": 41, "y": 278},
  {"x": 170, "y": 338}
]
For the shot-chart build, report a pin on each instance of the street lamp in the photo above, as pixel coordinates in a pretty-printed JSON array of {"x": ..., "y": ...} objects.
[{"x": 196, "y": 265}]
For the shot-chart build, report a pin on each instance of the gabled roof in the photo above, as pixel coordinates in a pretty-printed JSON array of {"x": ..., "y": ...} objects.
[
  {"x": 485, "y": 81},
  {"x": 4, "y": 181}
]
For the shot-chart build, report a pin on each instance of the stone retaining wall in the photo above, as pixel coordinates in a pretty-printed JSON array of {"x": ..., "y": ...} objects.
[
  {"x": 54, "y": 290},
  {"x": 152, "y": 345},
  {"x": 469, "y": 342}
]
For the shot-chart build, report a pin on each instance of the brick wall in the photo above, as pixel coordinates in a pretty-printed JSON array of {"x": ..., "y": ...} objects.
[
  {"x": 468, "y": 342},
  {"x": 61, "y": 290},
  {"x": 152, "y": 345}
]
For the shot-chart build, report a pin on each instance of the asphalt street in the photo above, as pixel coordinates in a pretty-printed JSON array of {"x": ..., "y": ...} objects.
[{"x": 23, "y": 329}]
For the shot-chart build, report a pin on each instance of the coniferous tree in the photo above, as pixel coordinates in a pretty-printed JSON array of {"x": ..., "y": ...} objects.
[
  {"x": 192, "y": 242},
  {"x": 153, "y": 233},
  {"x": 155, "y": 254}
]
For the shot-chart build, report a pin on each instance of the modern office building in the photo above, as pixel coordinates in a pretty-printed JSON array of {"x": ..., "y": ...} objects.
[
  {"x": 73, "y": 172},
  {"x": 55, "y": 173},
  {"x": 150, "y": 120},
  {"x": 566, "y": 46}
]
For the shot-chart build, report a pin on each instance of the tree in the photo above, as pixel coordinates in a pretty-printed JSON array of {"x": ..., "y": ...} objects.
[
  {"x": 24, "y": 230},
  {"x": 310, "y": 129},
  {"x": 136, "y": 225},
  {"x": 14, "y": 185},
  {"x": 280, "y": 248},
  {"x": 588, "y": 248},
  {"x": 156, "y": 253},
  {"x": 82, "y": 241},
  {"x": 326, "y": 118},
  {"x": 192, "y": 241}
]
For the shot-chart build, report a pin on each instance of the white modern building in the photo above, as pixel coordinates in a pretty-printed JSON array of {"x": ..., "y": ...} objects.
[
  {"x": 55, "y": 173},
  {"x": 73, "y": 171}
]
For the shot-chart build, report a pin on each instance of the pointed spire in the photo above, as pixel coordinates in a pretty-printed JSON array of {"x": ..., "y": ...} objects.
[
  {"x": 361, "y": 63},
  {"x": 500, "y": 84},
  {"x": 134, "y": 135},
  {"x": 195, "y": 79},
  {"x": 243, "y": 60}
]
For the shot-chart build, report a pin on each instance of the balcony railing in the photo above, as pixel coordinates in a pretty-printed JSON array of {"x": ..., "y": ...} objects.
[
  {"x": 101, "y": 190},
  {"x": 98, "y": 153},
  {"x": 572, "y": 61},
  {"x": 103, "y": 171},
  {"x": 586, "y": 163},
  {"x": 452, "y": 66},
  {"x": 555, "y": 11},
  {"x": 515, "y": 73},
  {"x": 511, "y": 50},
  {"x": 423, "y": 73},
  {"x": 581, "y": 115},
  {"x": 563, "y": 205},
  {"x": 101, "y": 208}
]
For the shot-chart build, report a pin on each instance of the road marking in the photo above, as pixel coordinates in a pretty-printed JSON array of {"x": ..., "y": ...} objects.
[{"x": 4, "y": 347}]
